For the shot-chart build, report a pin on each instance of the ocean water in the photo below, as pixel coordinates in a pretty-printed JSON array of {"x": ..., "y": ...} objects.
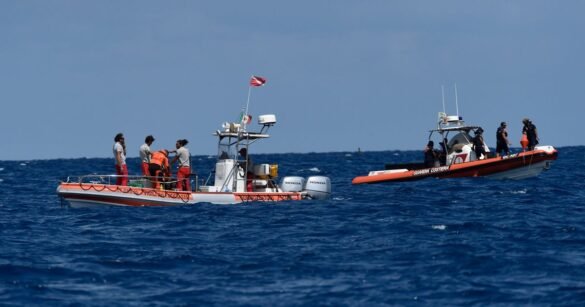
[{"x": 471, "y": 241}]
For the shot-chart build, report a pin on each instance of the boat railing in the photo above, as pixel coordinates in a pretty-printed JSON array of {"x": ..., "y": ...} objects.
[
  {"x": 111, "y": 179},
  {"x": 133, "y": 180}
]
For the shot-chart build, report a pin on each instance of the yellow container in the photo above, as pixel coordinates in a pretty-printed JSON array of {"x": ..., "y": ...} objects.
[{"x": 274, "y": 170}]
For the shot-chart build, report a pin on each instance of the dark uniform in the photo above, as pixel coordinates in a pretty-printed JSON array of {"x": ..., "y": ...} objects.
[
  {"x": 530, "y": 130},
  {"x": 478, "y": 143},
  {"x": 502, "y": 140},
  {"x": 430, "y": 155}
]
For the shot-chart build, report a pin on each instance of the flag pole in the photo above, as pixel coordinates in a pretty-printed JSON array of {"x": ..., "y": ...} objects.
[{"x": 247, "y": 105}]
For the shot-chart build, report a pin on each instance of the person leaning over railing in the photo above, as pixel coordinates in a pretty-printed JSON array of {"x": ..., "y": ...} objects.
[{"x": 159, "y": 167}]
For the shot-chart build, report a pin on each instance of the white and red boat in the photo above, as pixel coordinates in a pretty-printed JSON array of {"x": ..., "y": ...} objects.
[
  {"x": 460, "y": 160},
  {"x": 231, "y": 182}
]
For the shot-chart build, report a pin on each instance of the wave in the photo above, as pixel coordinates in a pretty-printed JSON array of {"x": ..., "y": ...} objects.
[{"x": 368, "y": 245}]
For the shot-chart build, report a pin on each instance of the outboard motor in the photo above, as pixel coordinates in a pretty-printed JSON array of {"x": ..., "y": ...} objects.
[
  {"x": 318, "y": 187},
  {"x": 292, "y": 184}
]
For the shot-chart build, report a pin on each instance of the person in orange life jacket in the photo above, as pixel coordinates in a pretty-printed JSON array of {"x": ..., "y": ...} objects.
[
  {"x": 502, "y": 141},
  {"x": 120, "y": 156},
  {"x": 159, "y": 166},
  {"x": 145, "y": 154},
  {"x": 531, "y": 133},
  {"x": 184, "y": 171}
]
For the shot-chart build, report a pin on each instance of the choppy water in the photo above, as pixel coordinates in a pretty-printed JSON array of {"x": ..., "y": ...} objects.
[{"x": 431, "y": 242}]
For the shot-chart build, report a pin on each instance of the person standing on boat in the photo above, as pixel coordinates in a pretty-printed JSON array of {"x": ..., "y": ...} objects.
[
  {"x": 531, "y": 133},
  {"x": 430, "y": 154},
  {"x": 158, "y": 167},
  {"x": 248, "y": 166},
  {"x": 184, "y": 171},
  {"x": 502, "y": 142},
  {"x": 442, "y": 154},
  {"x": 145, "y": 154},
  {"x": 478, "y": 144},
  {"x": 120, "y": 156}
]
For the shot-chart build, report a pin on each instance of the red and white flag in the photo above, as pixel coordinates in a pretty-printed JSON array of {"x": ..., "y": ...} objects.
[{"x": 257, "y": 81}]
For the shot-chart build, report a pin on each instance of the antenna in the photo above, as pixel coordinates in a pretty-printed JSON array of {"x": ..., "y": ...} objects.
[
  {"x": 456, "y": 100},
  {"x": 443, "y": 95}
]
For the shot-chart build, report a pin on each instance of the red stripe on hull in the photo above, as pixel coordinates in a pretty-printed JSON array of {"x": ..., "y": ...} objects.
[{"x": 468, "y": 169}]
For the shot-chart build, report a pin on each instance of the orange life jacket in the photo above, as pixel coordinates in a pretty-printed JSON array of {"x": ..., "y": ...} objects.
[{"x": 159, "y": 158}]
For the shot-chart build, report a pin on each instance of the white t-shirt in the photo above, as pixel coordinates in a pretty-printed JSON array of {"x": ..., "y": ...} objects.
[
  {"x": 145, "y": 153},
  {"x": 183, "y": 154},
  {"x": 119, "y": 149}
]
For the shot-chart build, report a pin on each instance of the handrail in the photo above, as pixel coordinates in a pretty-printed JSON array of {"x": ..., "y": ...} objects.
[{"x": 107, "y": 178}]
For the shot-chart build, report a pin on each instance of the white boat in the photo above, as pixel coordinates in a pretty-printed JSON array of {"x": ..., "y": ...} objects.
[{"x": 231, "y": 182}]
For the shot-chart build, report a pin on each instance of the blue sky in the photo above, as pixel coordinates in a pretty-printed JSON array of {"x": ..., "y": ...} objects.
[{"x": 341, "y": 74}]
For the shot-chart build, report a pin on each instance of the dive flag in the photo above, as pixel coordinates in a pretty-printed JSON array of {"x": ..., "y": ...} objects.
[{"x": 257, "y": 81}]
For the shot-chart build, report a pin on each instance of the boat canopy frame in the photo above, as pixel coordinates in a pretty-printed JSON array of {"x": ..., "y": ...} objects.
[{"x": 232, "y": 140}]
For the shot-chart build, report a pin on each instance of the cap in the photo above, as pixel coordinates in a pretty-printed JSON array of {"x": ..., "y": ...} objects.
[
  {"x": 525, "y": 120},
  {"x": 503, "y": 124}
]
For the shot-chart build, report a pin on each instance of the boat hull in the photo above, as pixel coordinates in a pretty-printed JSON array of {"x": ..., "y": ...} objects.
[
  {"x": 516, "y": 166},
  {"x": 90, "y": 194}
]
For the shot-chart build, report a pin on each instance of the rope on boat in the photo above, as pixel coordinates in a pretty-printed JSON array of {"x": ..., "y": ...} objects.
[
  {"x": 272, "y": 198},
  {"x": 136, "y": 191},
  {"x": 91, "y": 186}
]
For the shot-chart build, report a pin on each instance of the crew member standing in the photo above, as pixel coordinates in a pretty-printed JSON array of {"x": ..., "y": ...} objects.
[
  {"x": 247, "y": 165},
  {"x": 430, "y": 154},
  {"x": 478, "y": 144},
  {"x": 145, "y": 154},
  {"x": 502, "y": 141},
  {"x": 120, "y": 156},
  {"x": 531, "y": 133},
  {"x": 184, "y": 171}
]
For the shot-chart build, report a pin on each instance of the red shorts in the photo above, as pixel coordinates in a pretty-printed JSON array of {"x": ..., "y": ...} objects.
[{"x": 183, "y": 179}]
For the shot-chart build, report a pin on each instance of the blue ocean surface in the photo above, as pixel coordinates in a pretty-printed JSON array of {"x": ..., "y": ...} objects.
[{"x": 470, "y": 241}]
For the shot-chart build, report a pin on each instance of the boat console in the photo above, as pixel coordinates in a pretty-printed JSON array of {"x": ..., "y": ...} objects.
[{"x": 235, "y": 173}]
